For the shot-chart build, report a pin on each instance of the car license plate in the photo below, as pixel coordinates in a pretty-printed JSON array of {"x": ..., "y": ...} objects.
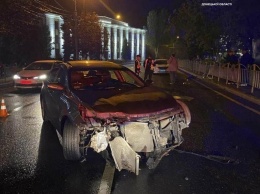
[
  {"x": 163, "y": 70},
  {"x": 26, "y": 82}
]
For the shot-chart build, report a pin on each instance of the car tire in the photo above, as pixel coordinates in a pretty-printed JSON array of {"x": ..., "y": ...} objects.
[{"x": 70, "y": 141}]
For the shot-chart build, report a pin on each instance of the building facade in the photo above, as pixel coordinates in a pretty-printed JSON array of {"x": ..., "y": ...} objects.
[
  {"x": 54, "y": 22},
  {"x": 117, "y": 30}
]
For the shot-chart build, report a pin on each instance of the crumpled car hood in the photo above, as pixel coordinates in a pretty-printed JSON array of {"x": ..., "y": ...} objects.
[{"x": 134, "y": 101}]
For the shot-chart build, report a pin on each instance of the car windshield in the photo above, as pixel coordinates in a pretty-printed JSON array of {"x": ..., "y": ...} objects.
[
  {"x": 161, "y": 61},
  {"x": 84, "y": 79},
  {"x": 39, "y": 66}
]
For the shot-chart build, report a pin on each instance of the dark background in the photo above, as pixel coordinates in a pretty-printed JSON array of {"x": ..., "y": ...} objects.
[{"x": 133, "y": 12}]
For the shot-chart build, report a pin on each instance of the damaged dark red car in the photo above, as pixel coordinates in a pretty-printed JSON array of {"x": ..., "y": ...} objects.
[{"x": 106, "y": 107}]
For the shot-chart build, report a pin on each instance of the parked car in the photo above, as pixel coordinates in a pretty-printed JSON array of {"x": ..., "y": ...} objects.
[
  {"x": 107, "y": 107},
  {"x": 160, "y": 66},
  {"x": 32, "y": 75}
]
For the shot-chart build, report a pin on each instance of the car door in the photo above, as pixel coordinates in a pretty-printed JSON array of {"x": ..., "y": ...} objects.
[{"x": 52, "y": 96}]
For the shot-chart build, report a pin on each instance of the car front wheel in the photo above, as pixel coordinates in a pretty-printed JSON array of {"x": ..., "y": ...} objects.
[{"x": 70, "y": 141}]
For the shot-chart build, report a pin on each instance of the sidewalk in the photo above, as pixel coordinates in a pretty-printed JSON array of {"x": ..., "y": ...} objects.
[{"x": 242, "y": 91}]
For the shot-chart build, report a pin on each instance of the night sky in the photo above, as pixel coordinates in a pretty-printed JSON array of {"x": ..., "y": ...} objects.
[{"x": 134, "y": 12}]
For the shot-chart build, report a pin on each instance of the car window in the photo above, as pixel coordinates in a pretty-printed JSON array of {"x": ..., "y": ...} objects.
[
  {"x": 57, "y": 65},
  {"x": 128, "y": 78},
  {"x": 57, "y": 75},
  {"x": 103, "y": 79},
  {"x": 161, "y": 62},
  {"x": 39, "y": 66},
  {"x": 52, "y": 76},
  {"x": 60, "y": 78}
]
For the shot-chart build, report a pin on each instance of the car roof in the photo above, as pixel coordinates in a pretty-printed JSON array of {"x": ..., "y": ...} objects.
[
  {"x": 95, "y": 64},
  {"x": 46, "y": 61},
  {"x": 160, "y": 59}
]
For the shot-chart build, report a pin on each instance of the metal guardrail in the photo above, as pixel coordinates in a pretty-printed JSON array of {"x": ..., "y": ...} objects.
[{"x": 238, "y": 74}]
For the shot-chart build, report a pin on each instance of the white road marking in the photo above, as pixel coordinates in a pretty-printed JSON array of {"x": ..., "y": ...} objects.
[
  {"x": 21, "y": 107},
  {"x": 231, "y": 99},
  {"x": 107, "y": 179}
]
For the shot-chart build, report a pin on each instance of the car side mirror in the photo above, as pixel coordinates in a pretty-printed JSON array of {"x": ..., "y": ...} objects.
[{"x": 55, "y": 86}]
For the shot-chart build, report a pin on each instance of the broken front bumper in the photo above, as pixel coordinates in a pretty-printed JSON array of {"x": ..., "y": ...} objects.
[{"x": 154, "y": 138}]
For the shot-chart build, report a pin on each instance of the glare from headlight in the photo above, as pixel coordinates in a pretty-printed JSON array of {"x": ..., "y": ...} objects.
[
  {"x": 16, "y": 77},
  {"x": 42, "y": 77}
]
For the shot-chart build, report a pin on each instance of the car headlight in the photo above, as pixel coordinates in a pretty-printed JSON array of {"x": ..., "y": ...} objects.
[
  {"x": 42, "y": 77},
  {"x": 16, "y": 77}
]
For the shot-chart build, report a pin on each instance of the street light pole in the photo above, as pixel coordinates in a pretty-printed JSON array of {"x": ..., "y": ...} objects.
[{"x": 75, "y": 30}]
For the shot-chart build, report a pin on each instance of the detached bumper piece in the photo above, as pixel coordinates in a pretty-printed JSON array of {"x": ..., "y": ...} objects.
[
  {"x": 152, "y": 162},
  {"x": 124, "y": 156}
]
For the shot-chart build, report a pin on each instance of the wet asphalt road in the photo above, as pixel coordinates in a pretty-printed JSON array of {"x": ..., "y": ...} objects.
[{"x": 220, "y": 153}]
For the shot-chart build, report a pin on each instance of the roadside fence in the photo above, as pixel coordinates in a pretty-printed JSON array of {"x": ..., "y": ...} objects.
[{"x": 231, "y": 74}]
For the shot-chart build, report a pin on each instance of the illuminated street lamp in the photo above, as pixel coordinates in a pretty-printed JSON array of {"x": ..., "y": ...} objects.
[{"x": 118, "y": 16}]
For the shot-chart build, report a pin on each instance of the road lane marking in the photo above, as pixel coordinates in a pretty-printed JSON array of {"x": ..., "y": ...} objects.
[
  {"x": 229, "y": 98},
  {"x": 107, "y": 179},
  {"x": 20, "y": 107}
]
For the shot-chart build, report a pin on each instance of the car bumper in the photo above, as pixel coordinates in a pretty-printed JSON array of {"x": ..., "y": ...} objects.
[
  {"x": 160, "y": 70},
  {"x": 27, "y": 84}
]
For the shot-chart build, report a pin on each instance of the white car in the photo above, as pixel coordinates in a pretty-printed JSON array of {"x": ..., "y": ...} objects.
[
  {"x": 160, "y": 66},
  {"x": 32, "y": 75}
]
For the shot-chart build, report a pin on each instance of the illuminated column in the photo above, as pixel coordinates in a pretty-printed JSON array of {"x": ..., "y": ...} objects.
[
  {"x": 121, "y": 43},
  {"x": 50, "y": 22},
  {"x": 115, "y": 42},
  {"x": 102, "y": 42},
  {"x": 127, "y": 35},
  {"x": 109, "y": 42},
  {"x": 132, "y": 44},
  {"x": 102, "y": 36},
  {"x": 137, "y": 42},
  {"x": 143, "y": 46},
  {"x": 61, "y": 22}
]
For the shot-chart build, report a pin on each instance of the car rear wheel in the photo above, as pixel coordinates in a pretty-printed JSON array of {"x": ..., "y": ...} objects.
[{"x": 70, "y": 141}]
